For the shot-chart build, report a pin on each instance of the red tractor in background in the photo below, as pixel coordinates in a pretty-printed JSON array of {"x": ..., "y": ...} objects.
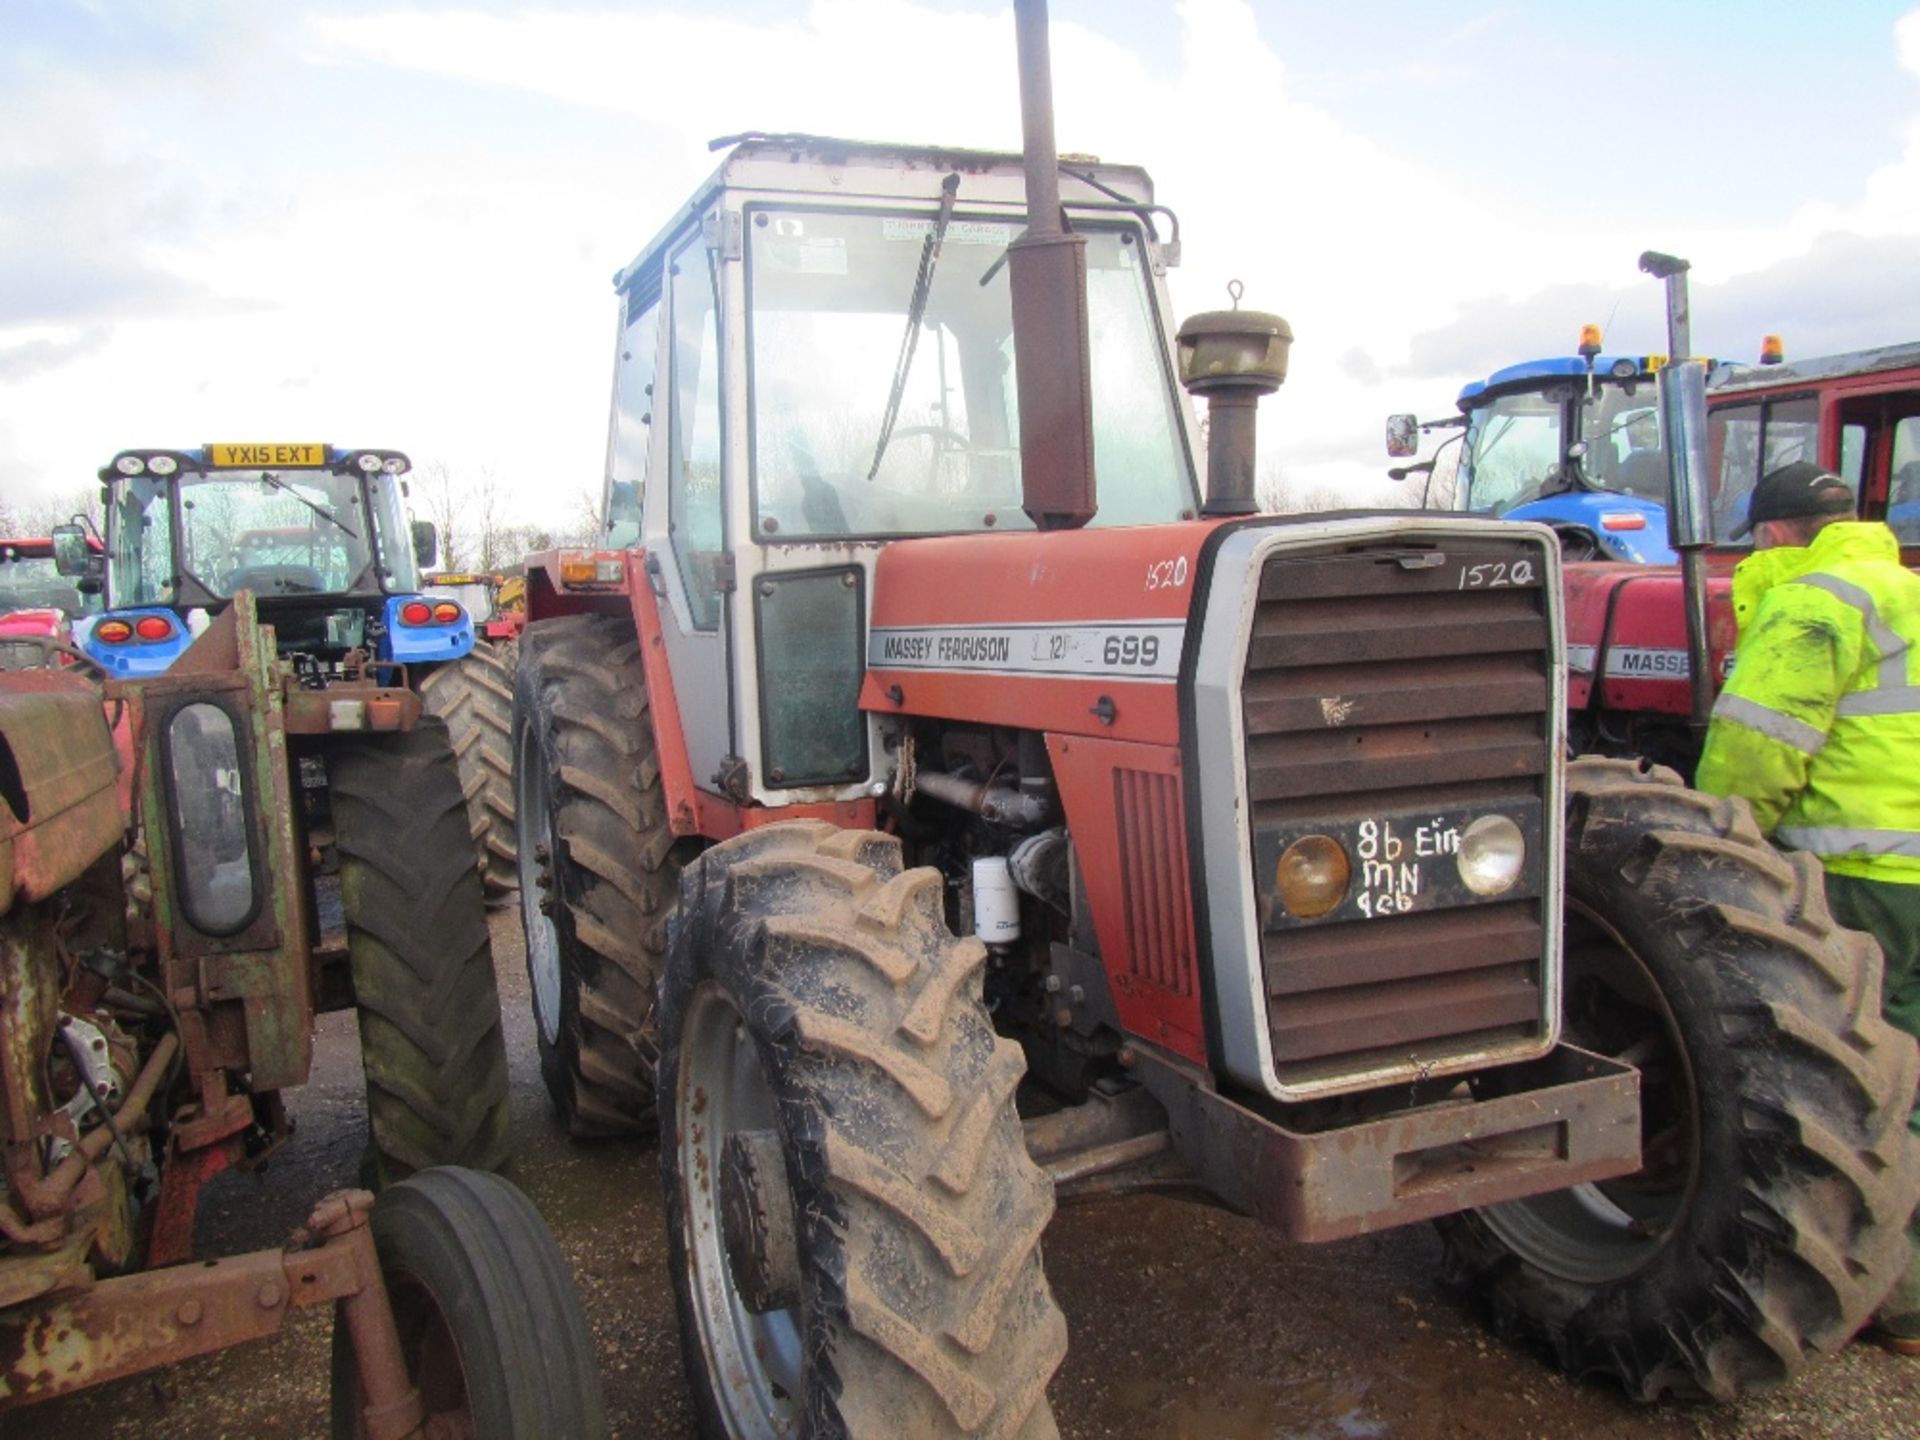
[
  {"x": 1130, "y": 837},
  {"x": 37, "y": 602},
  {"x": 1551, "y": 440}
]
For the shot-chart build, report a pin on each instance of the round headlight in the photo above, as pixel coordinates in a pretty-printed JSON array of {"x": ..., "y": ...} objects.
[
  {"x": 1625, "y": 369},
  {"x": 369, "y": 463},
  {"x": 163, "y": 464},
  {"x": 1312, "y": 876},
  {"x": 129, "y": 464},
  {"x": 394, "y": 465},
  {"x": 1492, "y": 853}
]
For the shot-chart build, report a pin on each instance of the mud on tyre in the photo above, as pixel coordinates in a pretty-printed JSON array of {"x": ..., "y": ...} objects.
[
  {"x": 1768, "y": 1219},
  {"x": 430, "y": 1036},
  {"x": 474, "y": 696},
  {"x": 854, "y": 1219},
  {"x": 599, "y": 867}
]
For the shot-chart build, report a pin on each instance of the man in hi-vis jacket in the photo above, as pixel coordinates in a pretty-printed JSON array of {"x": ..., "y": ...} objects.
[{"x": 1819, "y": 728}]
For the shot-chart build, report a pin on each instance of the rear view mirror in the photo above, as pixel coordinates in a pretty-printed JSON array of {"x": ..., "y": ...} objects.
[
  {"x": 426, "y": 542},
  {"x": 1403, "y": 435},
  {"x": 70, "y": 557}
]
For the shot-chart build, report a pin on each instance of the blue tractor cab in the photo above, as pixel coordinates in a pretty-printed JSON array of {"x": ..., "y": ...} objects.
[
  {"x": 319, "y": 535},
  {"x": 1573, "y": 442}
]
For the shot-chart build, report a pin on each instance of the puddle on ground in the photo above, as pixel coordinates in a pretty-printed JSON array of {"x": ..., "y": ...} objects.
[{"x": 1233, "y": 1409}]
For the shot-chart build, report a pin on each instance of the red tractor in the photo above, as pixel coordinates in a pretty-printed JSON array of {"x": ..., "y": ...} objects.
[
  {"x": 37, "y": 602},
  {"x": 915, "y": 834}
]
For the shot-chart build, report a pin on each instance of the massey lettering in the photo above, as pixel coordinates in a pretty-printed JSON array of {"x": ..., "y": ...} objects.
[
  {"x": 975, "y": 649},
  {"x": 906, "y": 647},
  {"x": 1122, "y": 650}
]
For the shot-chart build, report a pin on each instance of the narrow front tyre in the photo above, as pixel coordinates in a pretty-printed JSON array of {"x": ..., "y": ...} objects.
[{"x": 490, "y": 1325}]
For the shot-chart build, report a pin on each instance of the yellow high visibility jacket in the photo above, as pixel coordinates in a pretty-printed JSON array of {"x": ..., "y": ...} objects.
[{"x": 1819, "y": 725}]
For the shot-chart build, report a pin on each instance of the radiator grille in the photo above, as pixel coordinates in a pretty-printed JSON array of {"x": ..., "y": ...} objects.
[
  {"x": 1153, "y": 864},
  {"x": 1377, "y": 692}
]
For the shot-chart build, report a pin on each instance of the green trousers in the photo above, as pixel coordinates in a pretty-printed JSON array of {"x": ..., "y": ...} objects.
[{"x": 1891, "y": 914}]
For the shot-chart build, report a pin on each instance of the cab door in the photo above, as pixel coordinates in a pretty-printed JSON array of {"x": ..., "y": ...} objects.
[{"x": 684, "y": 515}]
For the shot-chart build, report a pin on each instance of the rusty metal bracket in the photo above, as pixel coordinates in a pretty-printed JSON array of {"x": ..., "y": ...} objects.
[{"x": 115, "y": 1328}]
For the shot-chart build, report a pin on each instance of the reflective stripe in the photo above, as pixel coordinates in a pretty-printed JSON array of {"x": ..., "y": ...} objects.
[
  {"x": 1897, "y": 700},
  {"x": 1842, "y": 840},
  {"x": 1807, "y": 739},
  {"x": 1892, "y": 670}
]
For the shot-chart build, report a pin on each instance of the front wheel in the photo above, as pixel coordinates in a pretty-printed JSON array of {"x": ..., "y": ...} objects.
[
  {"x": 1769, "y": 1216},
  {"x": 490, "y": 1324},
  {"x": 854, "y": 1220}
]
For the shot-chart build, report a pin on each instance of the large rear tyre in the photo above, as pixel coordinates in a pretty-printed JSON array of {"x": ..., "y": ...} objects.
[
  {"x": 430, "y": 1037},
  {"x": 474, "y": 697},
  {"x": 490, "y": 1324},
  {"x": 1769, "y": 1218},
  {"x": 854, "y": 1220},
  {"x": 599, "y": 867}
]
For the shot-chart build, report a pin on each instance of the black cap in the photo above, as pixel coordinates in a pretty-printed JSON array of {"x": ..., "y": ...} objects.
[{"x": 1793, "y": 492}]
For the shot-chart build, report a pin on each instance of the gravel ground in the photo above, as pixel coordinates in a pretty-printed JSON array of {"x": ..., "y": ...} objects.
[{"x": 1188, "y": 1323}]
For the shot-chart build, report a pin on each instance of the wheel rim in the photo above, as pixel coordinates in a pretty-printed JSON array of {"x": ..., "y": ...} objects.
[
  {"x": 1611, "y": 1229},
  {"x": 432, "y": 1359},
  {"x": 533, "y": 837},
  {"x": 756, "y": 1361}
]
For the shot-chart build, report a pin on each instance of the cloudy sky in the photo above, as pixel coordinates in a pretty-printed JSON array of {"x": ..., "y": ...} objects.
[{"x": 380, "y": 222}]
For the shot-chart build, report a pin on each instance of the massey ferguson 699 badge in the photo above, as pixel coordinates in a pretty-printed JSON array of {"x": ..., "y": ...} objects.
[{"x": 1126, "y": 650}]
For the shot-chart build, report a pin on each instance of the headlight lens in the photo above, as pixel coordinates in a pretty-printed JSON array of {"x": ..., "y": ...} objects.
[
  {"x": 129, "y": 464},
  {"x": 163, "y": 464},
  {"x": 1312, "y": 876},
  {"x": 1492, "y": 854},
  {"x": 369, "y": 463}
]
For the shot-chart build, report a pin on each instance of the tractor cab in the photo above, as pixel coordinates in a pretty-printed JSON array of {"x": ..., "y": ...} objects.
[
  {"x": 318, "y": 535},
  {"x": 1574, "y": 443},
  {"x": 816, "y": 355}
]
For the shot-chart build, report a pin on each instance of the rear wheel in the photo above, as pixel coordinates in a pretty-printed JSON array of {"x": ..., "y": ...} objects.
[
  {"x": 854, "y": 1219},
  {"x": 1769, "y": 1216},
  {"x": 474, "y": 696},
  {"x": 430, "y": 1036},
  {"x": 490, "y": 1324},
  {"x": 599, "y": 867}
]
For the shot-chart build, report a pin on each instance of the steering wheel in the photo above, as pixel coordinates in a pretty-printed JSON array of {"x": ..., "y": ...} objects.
[{"x": 48, "y": 648}]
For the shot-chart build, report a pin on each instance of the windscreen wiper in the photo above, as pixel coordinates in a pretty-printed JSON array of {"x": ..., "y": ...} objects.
[
  {"x": 916, "y": 312},
  {"x": 269, "y": 478}
]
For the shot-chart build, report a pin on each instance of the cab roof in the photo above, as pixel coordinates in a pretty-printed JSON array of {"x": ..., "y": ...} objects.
[{"x": 818, "y": 165}]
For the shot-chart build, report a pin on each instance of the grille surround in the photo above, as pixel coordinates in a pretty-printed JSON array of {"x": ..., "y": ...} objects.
[{"x": 1229, "y": 814}]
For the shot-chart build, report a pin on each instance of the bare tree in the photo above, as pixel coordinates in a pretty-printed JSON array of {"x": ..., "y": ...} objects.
[
  {"x": 36, "y": 517},
  {"x": 438, "y": 494}
]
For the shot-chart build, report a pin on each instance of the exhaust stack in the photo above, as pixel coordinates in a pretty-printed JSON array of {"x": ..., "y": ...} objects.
[{"x": 1047, "y": 269}]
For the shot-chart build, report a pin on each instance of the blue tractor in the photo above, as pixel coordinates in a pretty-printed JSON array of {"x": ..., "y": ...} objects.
[
  {"x": 1573, "y": 442},
  {"x": 319, "y": 535}
]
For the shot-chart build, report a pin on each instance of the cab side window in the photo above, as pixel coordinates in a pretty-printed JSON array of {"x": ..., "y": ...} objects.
[
  {"x": 630, "y": 439},
  {"x": 693, "y": 434}
]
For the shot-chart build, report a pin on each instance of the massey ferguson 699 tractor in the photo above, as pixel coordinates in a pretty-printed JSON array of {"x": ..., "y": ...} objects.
[
  {"x": 1249, "y": 842},
  {"x": 158, "y": 981}
]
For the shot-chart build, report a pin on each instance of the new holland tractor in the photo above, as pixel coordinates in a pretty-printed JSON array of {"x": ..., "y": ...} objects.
[
  {"x": 301, "y": 557},
  {"x": 158, "y": 985},
  {"x": 916, "y": 832},
  {"x": 320, "y": 536}
]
